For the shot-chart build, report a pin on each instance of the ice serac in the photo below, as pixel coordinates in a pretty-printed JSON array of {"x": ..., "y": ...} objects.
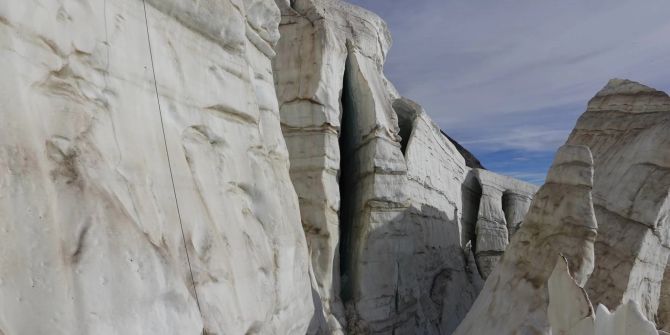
[
  {"x": 663, "y": 315},
  {"x": 309, "y": 76},
  {"x": 561, "y": 221},
  {"x": 91, "y": 238},
  {"x": 504, "y": 203},
  {"x": 627, "y": 319},
  {"x": 570, "y": 311},
  {"x": 439, "y": 279},
  {"x": 389, "y": 204},
  {"x": 627, "y": 128}
]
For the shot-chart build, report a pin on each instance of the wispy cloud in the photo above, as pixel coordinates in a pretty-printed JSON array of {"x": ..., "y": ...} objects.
[
  {"x": 536, "y": 178},
  {"x": 524, "y": 138},
  {"x": 516, "y": 74}
]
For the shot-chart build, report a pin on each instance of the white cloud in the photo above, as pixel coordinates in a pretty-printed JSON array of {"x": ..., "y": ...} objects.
[
  {"x": 522, "y": 138},
  {"x": 516, "y": 74},
  {"x": 536, "y": 178},
  {"x": 466, "y": 59}
]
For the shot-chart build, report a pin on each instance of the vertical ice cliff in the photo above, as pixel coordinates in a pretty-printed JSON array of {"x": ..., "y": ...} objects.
[
  {"x": 663, "y": 315},
  {"x": 561, "y": 221},
  {"x": 91, "y": 241},
  {"x": 627, "y": 127},
  {"x": 437, "y": 276},
  {"x": 309, "y": 74},
  {"x": 389, "y": 205},
  {"x": 504, "y": 203},
  {"x": 146, "y": 185}
]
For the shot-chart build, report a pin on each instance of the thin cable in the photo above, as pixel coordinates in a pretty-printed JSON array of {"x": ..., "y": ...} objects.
[
  {"x": 104, "y": 98},
  {"x": 167, "y": 153}
]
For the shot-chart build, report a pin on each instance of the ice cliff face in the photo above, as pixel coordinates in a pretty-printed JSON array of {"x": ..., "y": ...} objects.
[
  {"x": 175, "y": 167},
  {"x": 561, "y": 221},
  {"x": 91, "y": 237},
  {"x": 627, "y": 127},
  {"x": 393, "y": 215},
  {"x": 623, "y": 194},
  {"x": 146, "y": 188}
]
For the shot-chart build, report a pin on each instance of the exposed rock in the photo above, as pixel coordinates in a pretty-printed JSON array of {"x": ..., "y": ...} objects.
[
  {"x": 470, "y": 159},
  {"x": 561, "y": 221},
  {"x": 626, "y": 127},
  {"x": 91, "y": 237}
]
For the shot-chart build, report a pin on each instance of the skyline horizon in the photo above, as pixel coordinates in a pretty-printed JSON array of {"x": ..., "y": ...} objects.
[{"x": 508, "y": 81}]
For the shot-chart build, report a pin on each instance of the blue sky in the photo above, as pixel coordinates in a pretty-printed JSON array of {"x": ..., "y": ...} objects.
[{"x": 509, "y": 78}]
